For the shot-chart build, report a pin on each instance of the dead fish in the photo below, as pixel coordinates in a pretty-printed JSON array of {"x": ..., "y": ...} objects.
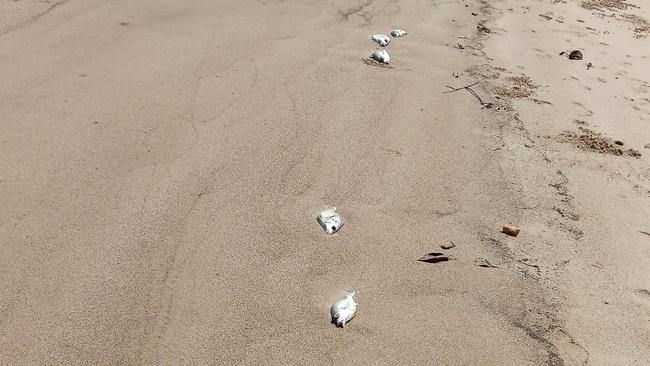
[
  {"x": 330, "y": 220},
  {"x": 398, "y": 33},
  {"x": 381, "y": 39},
  {"x": 344, "y": 310},
  {"x": 381, "y": 56}
]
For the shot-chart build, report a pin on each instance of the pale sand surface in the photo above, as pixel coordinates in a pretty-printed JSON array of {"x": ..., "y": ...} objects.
[{"x": 162, "y": 164}]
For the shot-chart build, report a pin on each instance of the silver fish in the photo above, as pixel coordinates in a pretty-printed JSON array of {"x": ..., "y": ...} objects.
[
  {"x": 344, "y": 310},
  {"x": 381, "y": 39},
  {"x": 398, "y": 33},
  {"x": 381, "y": 56},
  {"x": 330, "y": 220}
]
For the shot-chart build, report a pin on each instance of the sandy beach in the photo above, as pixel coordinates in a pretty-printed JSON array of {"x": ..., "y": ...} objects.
[{"x": 162, "y": 165}]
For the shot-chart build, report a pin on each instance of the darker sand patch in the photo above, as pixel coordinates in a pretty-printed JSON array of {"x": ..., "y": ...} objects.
[
  {"x": 589, "y": 140},
  {"x": 515, "y": 87},
  {"x": 606, "y": 4},
  {"x": 371, "y": 62},
  {"x": 641, "y": 25}
]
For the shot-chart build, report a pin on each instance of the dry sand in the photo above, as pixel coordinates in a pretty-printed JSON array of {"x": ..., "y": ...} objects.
[{"x": 162, "y": 164}]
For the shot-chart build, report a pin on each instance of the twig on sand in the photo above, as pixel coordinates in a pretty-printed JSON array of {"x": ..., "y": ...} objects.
[
  {"x": 457, "y": 89},
  {"x": 471, "y": 91}
]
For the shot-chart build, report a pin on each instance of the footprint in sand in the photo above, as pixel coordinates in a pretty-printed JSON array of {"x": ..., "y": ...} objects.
[
  {"x": 542, "y": 53},
  {"x": 585, "y": 111},
  {"x": 643, "y": 294},
  {"x": 546, "y": 17}
]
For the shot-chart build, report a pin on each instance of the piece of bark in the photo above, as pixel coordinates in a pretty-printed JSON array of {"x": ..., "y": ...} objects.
[
  {"x": 510, "y": 230},
  {"x": 433, "y": 258}
]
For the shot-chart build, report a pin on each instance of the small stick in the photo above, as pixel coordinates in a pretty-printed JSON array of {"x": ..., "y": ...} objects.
[
  {"x": 469, "y": 90},
  {"x": 475, "y": 94},
  {"x": 457, "y": 89}
]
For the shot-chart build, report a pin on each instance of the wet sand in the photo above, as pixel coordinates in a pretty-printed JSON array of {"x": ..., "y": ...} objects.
[{"x": 163, "y": 164}]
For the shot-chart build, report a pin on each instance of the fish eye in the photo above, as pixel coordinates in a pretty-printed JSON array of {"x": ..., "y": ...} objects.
[{"x": 333, "y": 228}]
